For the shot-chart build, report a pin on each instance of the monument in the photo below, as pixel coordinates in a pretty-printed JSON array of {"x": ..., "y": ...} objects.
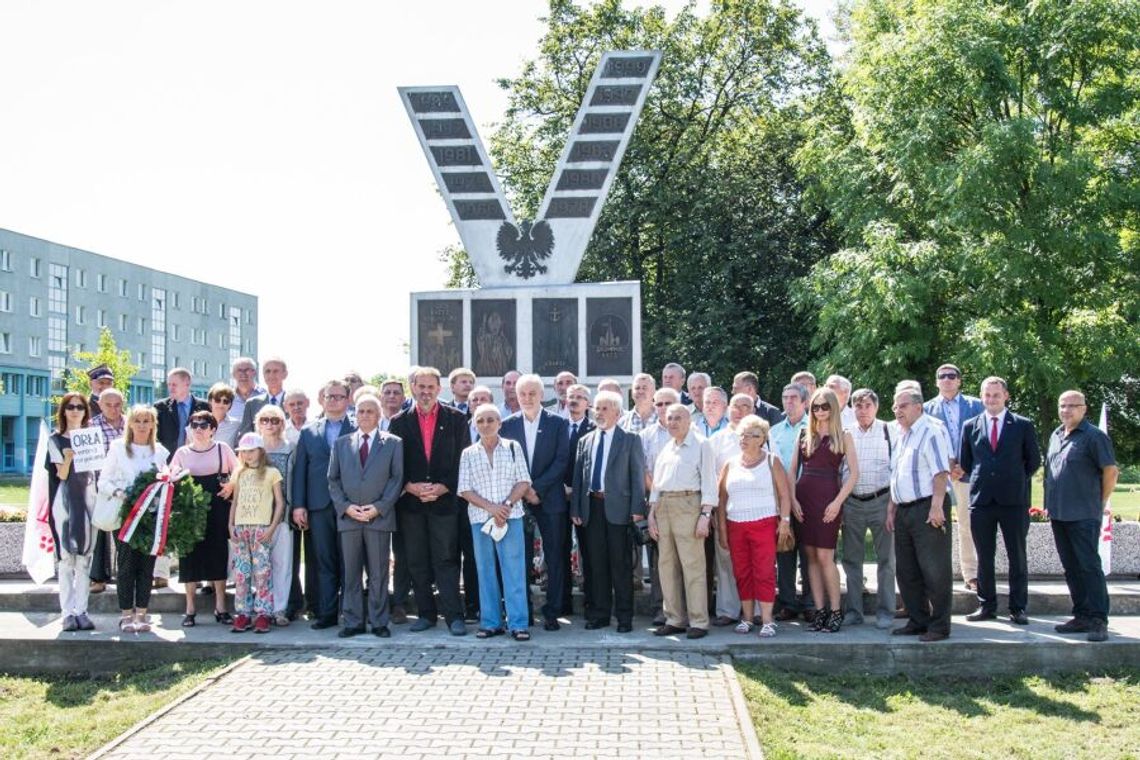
[{"x": 528, "y": 314}]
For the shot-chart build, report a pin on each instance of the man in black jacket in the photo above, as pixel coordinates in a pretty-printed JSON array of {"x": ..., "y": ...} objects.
[
  {"x": 999, "y": 452},
  {"x": 174, "y": 411},
  {"x": 433, "y": 437}
]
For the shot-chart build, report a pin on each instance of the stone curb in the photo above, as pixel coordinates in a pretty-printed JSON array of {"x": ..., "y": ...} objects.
[{"x": 740, "y": 708}]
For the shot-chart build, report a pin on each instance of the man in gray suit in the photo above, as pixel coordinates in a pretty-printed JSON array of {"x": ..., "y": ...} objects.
[
  {"x": 608, "y": 493},
  {"x": 366, "y": 472}
]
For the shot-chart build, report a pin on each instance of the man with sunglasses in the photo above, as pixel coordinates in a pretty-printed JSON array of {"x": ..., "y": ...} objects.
[
  {"x": 955, "y": 409},
  {"x": 653, "y": 439}
]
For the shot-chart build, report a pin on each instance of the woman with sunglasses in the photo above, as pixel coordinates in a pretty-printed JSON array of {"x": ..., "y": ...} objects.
[
  {"x": 71, "y": 495},
  {"x": 210, "y": 463},
  {"x": 270, "y": 424},
  {"x": 221, "y": 401},
  {"x": 817, "y": 464}
]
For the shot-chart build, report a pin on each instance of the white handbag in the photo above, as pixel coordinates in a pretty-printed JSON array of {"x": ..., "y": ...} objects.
[{"x": 108, "y": 512}]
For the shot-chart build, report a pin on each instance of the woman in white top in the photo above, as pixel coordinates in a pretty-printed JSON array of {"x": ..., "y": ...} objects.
[
  {"x": 493, "y": 478},
  {"x": 136, "y": 452},
  {"x": 755, "y": 507}
]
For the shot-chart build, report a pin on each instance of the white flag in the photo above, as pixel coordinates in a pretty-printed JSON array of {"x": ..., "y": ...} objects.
[
  {"x": 39, "y": 546},
  {"x": 1105, "y": 546}
]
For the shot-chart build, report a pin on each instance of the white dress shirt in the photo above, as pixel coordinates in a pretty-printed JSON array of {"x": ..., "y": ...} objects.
[{"x": 530, "y": 432}]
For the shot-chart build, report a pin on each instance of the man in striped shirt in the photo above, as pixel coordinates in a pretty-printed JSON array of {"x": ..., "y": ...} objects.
[{"x": 919, "y": 516}]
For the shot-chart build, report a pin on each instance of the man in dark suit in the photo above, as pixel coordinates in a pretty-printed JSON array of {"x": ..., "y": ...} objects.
[
  {"x": 999, "y": 453},
  {"x": 274, "y": 373},
  {"x": 366, "y": 472},
  {"x": 608, "y": 494},
  {"x": 434, "y": 436},
  {"x": 174, "y": 411},
  {"x": 546, "y": 443},
  {"x": 312, "y": 502},
  {"x": 578, "y": 423}
]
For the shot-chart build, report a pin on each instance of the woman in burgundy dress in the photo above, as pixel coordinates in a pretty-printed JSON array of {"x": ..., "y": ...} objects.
[{"x": 817, "y": 464}]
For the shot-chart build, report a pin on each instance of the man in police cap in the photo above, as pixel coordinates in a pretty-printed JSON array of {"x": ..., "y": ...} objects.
[{"x": 101, "y": 378}]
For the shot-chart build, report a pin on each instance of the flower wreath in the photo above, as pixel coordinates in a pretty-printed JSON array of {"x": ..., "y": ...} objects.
[{"x": 164, "y": 513}]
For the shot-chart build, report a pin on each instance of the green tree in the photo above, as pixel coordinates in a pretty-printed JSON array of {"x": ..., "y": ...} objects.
[
  {"x": 705, "y": 210},
  {"x": 981, "y": 174},
  {"x": 76, "y": 380}
]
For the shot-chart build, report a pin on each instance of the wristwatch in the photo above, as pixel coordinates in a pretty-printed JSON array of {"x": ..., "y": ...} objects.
[
  {"x": 786, "y": 518},
  {"x": 706, "y": 514}
]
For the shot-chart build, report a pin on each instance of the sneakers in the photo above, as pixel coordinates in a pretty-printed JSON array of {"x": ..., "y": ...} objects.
[
  {"x": 1098, "y": 630},
  {"x": 280, "y": 619},
  {"x": 1076, "y": 625},
  {"x": 744, "y": 626},
  {"x": 241, "y": 624},
  {"x": 83, "y": 623},
  {"x": 768, "y": 630},
  {"x": 261, "y": 625}
]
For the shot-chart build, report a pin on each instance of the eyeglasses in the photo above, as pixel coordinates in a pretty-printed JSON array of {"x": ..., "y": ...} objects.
[
  {"x": 661, "y": 403},
  {"x": 1061, "y": 406},
  {"x": 269, "y": 421},
  {"x": 226, "y": 401},
  {"x": 200, "y": 425},
  {"x": 751, "y": 435},
  {"x": 947, "y": 375},
  {"x": 335, "y": 397},
  {"x": 820, "y": 408},
  {"x": 74, "y": 407}
]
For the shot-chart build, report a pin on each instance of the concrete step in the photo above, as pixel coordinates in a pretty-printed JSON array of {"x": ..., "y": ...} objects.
[
  {"x": 33, "y": 642},
  {"x": 1045, "y": 598}
]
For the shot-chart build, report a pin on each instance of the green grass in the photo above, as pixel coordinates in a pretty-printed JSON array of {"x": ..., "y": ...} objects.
[
  {"x": 14, "y": 491},
  {"x": 1073, "y": 716},
  {"x": 1125, "y": 500},
  {"x": 70, "y": 717}
]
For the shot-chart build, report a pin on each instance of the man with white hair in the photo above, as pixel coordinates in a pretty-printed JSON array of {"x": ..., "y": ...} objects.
[
  {"x": 244, "y": 374},
  {"x": 546, "y": 444},
  {"x": 696, "y": 385},
  {"x": 643, "y": 414},
  {"x": 510, "y": 400},
  {"x": 275, "y": 372},
  {"x": 680, "y": 513},
  {"x": 608, "y": 493},
  {"x": 560, "y": 405},
  {"x": 673, "y": 376},
  {"x": 653, "y": 439},
  {"x": 918, "y": 514},
  {"x": 841, "y": 387}
]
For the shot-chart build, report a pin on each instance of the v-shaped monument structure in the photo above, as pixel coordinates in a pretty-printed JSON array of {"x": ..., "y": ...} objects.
[{"x": 527, "y": 313}]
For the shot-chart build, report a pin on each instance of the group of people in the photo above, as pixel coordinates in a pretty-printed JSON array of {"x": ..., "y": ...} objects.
[{"x": 727, "y": 495}]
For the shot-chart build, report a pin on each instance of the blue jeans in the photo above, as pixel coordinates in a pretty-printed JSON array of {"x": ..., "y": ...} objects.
[{"x": 511, "y": 553}]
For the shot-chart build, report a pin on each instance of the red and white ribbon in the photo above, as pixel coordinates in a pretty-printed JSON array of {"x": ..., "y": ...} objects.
[{"x": 162, "y": 492}]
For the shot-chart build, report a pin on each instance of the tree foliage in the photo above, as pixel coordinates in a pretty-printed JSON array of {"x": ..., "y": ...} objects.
[
  {"x": 705, "y": 210},
  {"x": 76, "y": 380},
  {"x": 981, "y": 172}
]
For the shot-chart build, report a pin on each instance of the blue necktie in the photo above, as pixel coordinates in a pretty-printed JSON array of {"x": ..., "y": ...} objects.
[
  {"x": 599, "y": 461},
  {"x": 183, "y": 421}
]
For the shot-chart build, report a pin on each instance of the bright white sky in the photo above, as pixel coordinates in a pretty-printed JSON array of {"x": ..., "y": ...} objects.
[{"x": 256, "y": 145}]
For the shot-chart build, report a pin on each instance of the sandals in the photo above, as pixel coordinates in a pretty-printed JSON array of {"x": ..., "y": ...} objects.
[
  {"x": 188, "y": 620},
  {"x": 520, "y": 635},
  {"x": 142, "y": 624},
  {"x": 127, "y": 624},
  {"x": 223, "y": 617},
  {"x": 744, "y": 626},
  {"x": 834, "y": 622},
  {"x": 768, "y": 630},
  {"x": 819, "y": 620},
  {"x": 486, "y": 633}
]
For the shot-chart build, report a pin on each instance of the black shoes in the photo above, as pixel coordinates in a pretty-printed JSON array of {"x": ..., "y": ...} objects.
[
  {"x": 1019, "y": 617},
  {"x": 624, "y": 627},
  {"x": 382, "y": 632},
  {"x": 980, "y": 614},
  {"x": 322, "y": 623},
  {"x": 550, "y": 624},
  {"x": 696, "y": 633},
  {"x": 819, "y": 620},
  {"x": 348, "y": 633},
  {"x": 593, "y": 625},
  {"x": 668, "y": 630},
  {"x": 1076, "y": 625},
  {"x": 1098, "y": 630},
  {"x": 909, "y": 630}
]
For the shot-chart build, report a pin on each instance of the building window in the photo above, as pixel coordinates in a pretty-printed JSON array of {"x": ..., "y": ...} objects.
[
  {"x": 101, "y": 283},
  {"x": 158, "y": 310},
  {"x": 5, "y": 301},
  {"x": 34, "y": 267},
  {"x": 122, "y": 288},
  {"x": 5, "y": 261},
  {"x": 10, "y": 380},
  {"x": 101, "y": 317},
  {"x": 122, "y": 323},
  {"x": 80, "y": 278},
  {"x": 80, "y": 315},
  {"x": 35, "y": 346},
  {"x": 37, "y": 386},
  {"x": 5, "y": 347},
  {"x": 34, "y": 308},
  {"x": 157, "y": 350},
  {"x": 142, "y": 292},
  {"x": 140, "y": 358},
  {"x": 56, "y": 365},
  {"x": 141, "y": 326},
  {"x": 57, "y": 289},
  {"x": 57, "y": 334},
  {"x": 221, "y": 311},
  {"x": 221, "y": 341},
  {"x": 174, "y": 301},
  {"x": 174, "y": 362},
  {"x": 176, "y": 332}
]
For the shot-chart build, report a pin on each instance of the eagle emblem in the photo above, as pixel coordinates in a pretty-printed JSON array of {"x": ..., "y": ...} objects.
[{"x": 525, "y": 247}]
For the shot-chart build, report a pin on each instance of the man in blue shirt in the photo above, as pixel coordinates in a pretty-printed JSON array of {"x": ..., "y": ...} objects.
[
  {"x": 1080, "y": 474},
  {"x": 783, "y": 437},
  {"x": 955, "y": 409}
]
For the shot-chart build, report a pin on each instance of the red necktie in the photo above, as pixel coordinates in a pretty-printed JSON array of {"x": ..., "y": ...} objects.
[
  {"x": 364, "y": 449},
  {"x": 993, "y": 433}
]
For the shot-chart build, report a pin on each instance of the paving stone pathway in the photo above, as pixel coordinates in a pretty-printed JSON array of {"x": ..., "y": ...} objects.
[{"x": 458, "y": 703}]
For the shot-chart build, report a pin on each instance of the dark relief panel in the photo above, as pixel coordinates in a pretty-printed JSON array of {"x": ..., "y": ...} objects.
[
  {"x": 493, "y": 337},
  {"x": 440, "y": 334},
  {"x": 433, "y": 102},
  {"x": 555, "y": 346},
  {"x": 609, "y": 336}
]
